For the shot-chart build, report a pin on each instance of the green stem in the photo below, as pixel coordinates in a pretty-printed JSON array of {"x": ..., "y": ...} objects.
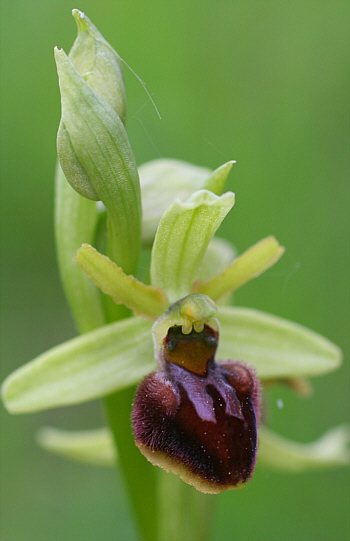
[
  {"x": 184, "y": 513},
  {"x": 139, "y": 475}
]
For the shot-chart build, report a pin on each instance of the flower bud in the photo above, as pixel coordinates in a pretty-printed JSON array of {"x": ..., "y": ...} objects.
[
  {"x": 97, "y": 160},
  {"x": 198, "y": 418},
  {"x": 99, "y": 64}
]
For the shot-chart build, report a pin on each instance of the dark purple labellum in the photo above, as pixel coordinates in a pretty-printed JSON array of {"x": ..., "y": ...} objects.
[{"x": 198, "y": 418}]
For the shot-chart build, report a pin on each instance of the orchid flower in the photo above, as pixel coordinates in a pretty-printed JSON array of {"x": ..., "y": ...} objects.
[{"x": 133, "y": 329}]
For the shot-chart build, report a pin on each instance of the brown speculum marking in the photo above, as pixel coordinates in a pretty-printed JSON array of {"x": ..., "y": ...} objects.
[{"x": 199, "y": 416}]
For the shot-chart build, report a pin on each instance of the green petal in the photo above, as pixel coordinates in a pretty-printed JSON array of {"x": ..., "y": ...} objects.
[
  {"x": 148, "y": 301},
  {"x": 249, "y": 265},
  {"x": 93, "y": 447},
  {"x": 280, "y": 453},
  {"x": 275, "y": 347},
  {"x": 183, "y": 235},
  {"x": 75, "y": 222},
  {"x": 84, "y": 368},
  {"x": 100, "y": 144}
]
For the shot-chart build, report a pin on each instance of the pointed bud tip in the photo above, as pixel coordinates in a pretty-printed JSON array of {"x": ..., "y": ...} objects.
[
  {"x": 59, "y": 53},
  {"x": 80, "y": 19}
]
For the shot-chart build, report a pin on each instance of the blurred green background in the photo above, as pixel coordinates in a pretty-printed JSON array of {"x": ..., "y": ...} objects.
[{"x": 262, "y": 82}]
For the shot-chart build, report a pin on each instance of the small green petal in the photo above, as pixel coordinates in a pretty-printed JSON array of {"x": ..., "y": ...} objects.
[
  {"x": 87, "y": 367},
  {"x": 76, "y": 221},
  {"x": 275, "y": 347},
  {"x": 146, "y": 301},
  {"x": 249, "y": 265},
  {"x": 183, "y": 235},
  {"x": 93, "y": 447},
  {"x": 332, "y": 449},
  {"x": 217, "y": 179}
]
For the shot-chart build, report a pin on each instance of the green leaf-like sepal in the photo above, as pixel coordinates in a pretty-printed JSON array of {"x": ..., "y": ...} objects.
[
  {"x": 332, "y": 449},
  {"x": 94, "y": 447},
  {"x": 87, "y": 367},
  {"x": 275, "y": 347},
  {"x": 249, "y": 265},
  {"x": 183, "y": 235},
  {"x": 147, "y": 301}
]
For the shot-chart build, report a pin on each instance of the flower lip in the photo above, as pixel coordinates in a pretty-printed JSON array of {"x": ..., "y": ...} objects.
[{"x": 203, "y": 429}]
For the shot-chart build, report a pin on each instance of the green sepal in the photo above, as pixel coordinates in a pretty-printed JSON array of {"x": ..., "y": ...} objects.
[
  {"x": 76, "y": 221},
  {"x": 87, "y": 367},
  {"x": 182, "y": 237},
  {"x": 247, "y": 266},
  {"x": 275, "y": 347},
  {"x": 147, "y": 301},
  {"x": 99, "y": 64},
  {"x": 101, "y": 146},
  {"x": 93, "y": 447},
  {"x": 277, "y": 452}
]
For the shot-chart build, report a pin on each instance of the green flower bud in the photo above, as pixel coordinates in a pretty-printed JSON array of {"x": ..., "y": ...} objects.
[
  {"x": 97, "y": 160},
  {"x": 99, "y": 64}
]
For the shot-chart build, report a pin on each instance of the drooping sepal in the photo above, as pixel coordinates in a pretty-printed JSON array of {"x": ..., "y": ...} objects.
[
  {"x": 94, "y": 447},
  {"x": 279, "y": 453}
]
